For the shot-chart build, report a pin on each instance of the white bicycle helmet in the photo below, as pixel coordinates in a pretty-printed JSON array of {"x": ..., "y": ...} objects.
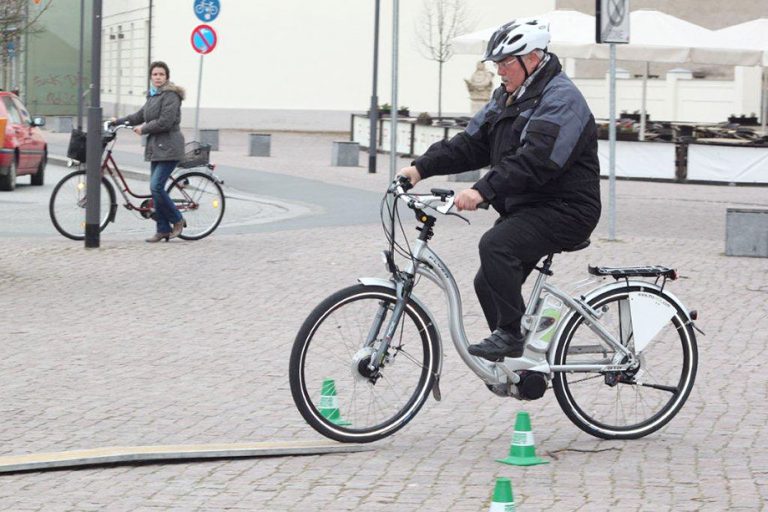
[{"x": 518, "y": 37}]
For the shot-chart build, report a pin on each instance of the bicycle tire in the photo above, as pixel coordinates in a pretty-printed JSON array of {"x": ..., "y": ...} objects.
[
  {"x": 200, "y": 201},
  {"x": 326, "y": 348},
  {"x": 68, "y": 213},
  {"x": 589, "y": 407}
]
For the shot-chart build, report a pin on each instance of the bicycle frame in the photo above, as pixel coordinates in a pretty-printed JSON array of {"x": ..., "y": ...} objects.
[
  {"x": 109, "y": 167},
  {"x": 428, "y": 264}
]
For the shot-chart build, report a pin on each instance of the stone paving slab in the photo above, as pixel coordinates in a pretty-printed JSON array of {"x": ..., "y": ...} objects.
[{"x": 188, "y": 343}]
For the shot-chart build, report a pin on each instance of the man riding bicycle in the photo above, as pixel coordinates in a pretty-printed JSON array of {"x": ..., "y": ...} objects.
[{"x": 539, "y": 138}]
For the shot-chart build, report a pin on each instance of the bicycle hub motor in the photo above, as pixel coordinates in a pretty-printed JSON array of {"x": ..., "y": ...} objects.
[{"x": 532, "y": 385}]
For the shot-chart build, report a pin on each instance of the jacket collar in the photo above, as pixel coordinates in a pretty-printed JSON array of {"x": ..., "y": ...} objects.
[{"x": 540, "y": 80}]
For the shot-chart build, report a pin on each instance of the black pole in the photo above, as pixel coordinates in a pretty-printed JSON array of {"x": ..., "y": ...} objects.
[
  {"x": 374, "y": 112},
  {"x": 25, "y": 96},
  {"x": 80, "y": 68},
  {"x": 93, "y": 148},
  {"x": 149, "y": 37}
]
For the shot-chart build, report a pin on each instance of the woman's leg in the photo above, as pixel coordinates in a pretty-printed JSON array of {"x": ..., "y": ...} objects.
[{"x": 166, "y": 211}]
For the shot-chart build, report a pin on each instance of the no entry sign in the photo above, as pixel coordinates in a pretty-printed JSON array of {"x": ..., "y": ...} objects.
[{"x": 203, "y": 39}]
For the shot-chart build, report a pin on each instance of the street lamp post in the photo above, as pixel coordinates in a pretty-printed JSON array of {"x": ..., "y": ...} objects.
[{"x": 374, "y": 110}]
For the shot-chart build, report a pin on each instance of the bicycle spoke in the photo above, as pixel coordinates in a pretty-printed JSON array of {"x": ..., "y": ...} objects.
[
  {"x": 620, "y": 404},
  {"x": 368, "y": 400}
]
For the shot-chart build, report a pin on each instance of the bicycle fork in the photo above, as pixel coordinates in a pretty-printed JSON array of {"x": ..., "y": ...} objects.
[{"x": 403, "y": 289}]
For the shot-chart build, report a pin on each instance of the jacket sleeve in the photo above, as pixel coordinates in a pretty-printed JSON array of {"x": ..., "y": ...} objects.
[
  {"x": 169, "y": 113},
  {"x": 134, "y": 119},
  {"x": 547, "y": 142},
  {"x": 466, "y": 151}
]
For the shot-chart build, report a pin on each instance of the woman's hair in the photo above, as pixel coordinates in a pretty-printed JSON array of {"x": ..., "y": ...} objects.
[{"x": 160, "y": 64}]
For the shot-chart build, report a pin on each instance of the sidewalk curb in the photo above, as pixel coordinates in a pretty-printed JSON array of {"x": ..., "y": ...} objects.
[{"x": 128, "y": 172}]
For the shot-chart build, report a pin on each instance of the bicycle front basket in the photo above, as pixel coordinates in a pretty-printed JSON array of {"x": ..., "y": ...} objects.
[
  {"x": 195, "y": 155},
  {"x": 76, "y": 149},
  {"x": 78, "y": 144}
]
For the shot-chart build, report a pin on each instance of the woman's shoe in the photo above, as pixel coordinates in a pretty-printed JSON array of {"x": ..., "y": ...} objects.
[
  {"x": 157, "y": 237},
  {"x": 178, "y": 227}
]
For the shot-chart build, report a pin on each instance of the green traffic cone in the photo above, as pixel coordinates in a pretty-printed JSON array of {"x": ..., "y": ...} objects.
[
  {"x": 503, "y": 500},
  {"x": 329, "y": 404},
  {"x": 522, "y": 452}
]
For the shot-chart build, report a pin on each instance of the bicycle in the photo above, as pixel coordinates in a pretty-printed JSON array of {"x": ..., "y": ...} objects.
[
  {"x": 621, "y": 357},
  {"x": 208, "y": 8},
  {"x": 196, "y": 193}
]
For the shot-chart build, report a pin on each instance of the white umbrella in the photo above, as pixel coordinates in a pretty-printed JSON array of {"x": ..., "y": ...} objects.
[
  {"x": 654, "y": 37},
  {"x": 573, "y": 35},
  {"x": 751, "y": 34}
]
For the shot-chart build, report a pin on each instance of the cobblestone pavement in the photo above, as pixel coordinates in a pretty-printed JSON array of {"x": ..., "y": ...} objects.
[{"x": 181, "y": 343}]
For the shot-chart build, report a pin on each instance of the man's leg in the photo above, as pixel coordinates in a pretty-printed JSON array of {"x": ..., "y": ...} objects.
[{"x": 508, "y": 253}]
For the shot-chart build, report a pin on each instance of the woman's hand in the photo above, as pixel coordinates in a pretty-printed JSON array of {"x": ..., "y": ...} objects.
[{"x": 137, "y": 129}]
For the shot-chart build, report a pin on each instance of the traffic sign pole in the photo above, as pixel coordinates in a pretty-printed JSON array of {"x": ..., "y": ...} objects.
[{"x": 199, "y": 91}]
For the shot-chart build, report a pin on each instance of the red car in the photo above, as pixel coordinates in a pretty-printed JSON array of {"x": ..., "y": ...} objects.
[{"x": 23, "y": 149}]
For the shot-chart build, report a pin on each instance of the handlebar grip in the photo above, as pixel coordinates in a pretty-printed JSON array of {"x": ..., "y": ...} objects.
[{"x": 404, "y": 182}]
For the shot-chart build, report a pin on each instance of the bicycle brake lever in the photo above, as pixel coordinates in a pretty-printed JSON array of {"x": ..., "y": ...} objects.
[{"x": 459, "y": 216}]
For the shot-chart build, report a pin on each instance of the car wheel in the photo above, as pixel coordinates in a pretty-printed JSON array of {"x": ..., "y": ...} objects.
[
  {"x": 39, "y": 177},
  {"x": 8, "y": 180}
]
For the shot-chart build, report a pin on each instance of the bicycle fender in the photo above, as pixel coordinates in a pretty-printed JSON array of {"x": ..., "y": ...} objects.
[
  {"x": 644, "y": 305},
  {"x": 385, "y": 283}
]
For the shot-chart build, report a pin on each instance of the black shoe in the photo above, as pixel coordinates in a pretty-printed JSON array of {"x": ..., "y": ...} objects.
[{"x": 498, "y": 345}]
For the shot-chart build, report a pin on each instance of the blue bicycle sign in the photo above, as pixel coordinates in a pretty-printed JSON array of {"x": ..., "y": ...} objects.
[{"x": 207, "y": 10}]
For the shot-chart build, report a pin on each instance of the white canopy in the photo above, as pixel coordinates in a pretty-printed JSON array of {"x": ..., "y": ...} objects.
[
  {"x": 654, "y": 37},
  {"x": 752, "y": 34}
]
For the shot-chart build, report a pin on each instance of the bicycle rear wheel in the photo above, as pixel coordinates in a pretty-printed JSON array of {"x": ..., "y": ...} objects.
[
  {"x": 331, "y": 384},
  {"x": 67, "y": 205},
  {"x": 200, "y": 200},
  {"x": 628, "y": 404}
]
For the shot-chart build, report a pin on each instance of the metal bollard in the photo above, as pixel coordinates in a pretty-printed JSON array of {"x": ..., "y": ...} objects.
[
  {"x": 210, "y": 137},
  {"x": 345, "y": 154},
  {"x": 746, "y": 232},
  {"x": 259, "y": 144}
]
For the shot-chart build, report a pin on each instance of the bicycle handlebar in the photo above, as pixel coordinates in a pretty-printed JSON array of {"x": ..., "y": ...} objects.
[
  {"x": 111, "y": 127},
  {"x": 401, "y": 185}
]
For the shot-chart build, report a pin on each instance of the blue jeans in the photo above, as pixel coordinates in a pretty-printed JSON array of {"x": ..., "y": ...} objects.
[{"x": 166, "y": 212}]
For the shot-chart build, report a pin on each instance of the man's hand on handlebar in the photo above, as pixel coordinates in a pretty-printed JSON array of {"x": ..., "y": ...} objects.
[
  {"x": 469, "y": 199},
  {"x": 412, "y": 173}
]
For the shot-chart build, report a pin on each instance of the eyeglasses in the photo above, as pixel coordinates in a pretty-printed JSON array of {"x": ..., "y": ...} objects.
[{"x": 506, "y": 63}]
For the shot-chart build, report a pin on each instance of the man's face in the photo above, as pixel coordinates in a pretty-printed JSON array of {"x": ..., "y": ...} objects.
[{"x": 511, "y": 72}]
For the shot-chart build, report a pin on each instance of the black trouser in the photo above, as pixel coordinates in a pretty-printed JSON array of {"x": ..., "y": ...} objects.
[{"x": 510, "y": 250}]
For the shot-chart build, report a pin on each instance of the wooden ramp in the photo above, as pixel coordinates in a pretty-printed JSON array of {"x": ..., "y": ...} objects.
[{"x": 138, "y": 454}]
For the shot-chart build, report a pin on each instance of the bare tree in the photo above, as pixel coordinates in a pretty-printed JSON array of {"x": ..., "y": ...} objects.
[
  {"x": 15, "y": 21},
  {"x": 439, "y": 23}
]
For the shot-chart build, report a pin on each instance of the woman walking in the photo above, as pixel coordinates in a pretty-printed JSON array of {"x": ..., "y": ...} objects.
[{"x": 159, "y": 119}]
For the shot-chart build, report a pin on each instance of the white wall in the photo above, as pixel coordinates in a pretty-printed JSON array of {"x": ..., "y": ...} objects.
[
  {"x": 674, "y": 99},
  {"x": 296, "y": 63}
]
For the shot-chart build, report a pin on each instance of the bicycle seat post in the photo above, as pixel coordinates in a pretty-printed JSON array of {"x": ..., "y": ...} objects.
[{"x": 533, "y": 302}]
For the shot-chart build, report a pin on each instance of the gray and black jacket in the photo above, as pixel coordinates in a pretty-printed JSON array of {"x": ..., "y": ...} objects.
[
  {"x": 541, "y": 147},
  {"x": 161, "y": 115}
]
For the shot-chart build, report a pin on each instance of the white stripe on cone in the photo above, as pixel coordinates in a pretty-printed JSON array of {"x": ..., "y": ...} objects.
[
  {"x": 502, "y": 507},
  {"x": 522, "y": 438},
  {"x": 329, "y": 402}
]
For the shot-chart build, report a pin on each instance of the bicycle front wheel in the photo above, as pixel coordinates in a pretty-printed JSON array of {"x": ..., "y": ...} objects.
[
  {"x": 332, "y": 386},
  {"x": 626, "y": 404},
  {"x": 201, "y": 202},
  {"x": 68, "y": 201}
]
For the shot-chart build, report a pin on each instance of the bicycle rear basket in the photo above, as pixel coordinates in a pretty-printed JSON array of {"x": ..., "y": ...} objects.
[
  {"x": 195, "y": 155},
  {"x": 77, "y": 144}
]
